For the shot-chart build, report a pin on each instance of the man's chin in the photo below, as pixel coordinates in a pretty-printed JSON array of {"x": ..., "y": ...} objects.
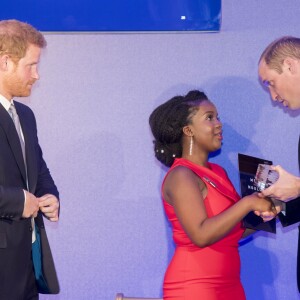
[
  {"x": 294, "y": 106},
  {"x": 24, "y": 94}
]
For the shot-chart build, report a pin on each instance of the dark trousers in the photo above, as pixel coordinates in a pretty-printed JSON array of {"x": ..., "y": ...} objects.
[{"x": 31, "y": 292}]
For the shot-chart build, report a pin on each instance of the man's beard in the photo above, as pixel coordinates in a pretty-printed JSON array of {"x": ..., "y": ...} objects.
[{"x": 16, "y": 87}]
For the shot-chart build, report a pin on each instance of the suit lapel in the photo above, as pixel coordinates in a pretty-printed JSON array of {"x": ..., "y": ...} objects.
[
  {"x": 9, "y": 128},
  {"x": 29, "y": 148}
]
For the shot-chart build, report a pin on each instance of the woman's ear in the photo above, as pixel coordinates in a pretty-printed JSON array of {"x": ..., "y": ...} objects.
[{"x": 187, "y": 130}]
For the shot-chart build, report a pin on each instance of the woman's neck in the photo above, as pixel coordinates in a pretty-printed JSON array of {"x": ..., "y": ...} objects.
[{"x": 201, "y": 160}]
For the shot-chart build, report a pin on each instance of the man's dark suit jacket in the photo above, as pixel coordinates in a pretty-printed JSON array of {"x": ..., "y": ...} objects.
[
  {"x": 293, "y": 216},
  {"x": 16, "y": 232},
  {"x": 292, "y": 207}
]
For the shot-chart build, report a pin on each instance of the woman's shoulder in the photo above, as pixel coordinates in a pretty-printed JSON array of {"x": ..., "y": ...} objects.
[
  {"x": 179, "y": 174},
  {"x": 180, "y": 171},
  {"x": 217, "y": 168}
]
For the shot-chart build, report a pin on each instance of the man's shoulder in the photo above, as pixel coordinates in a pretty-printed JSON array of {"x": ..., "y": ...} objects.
[{"x": 23, "y": 108}]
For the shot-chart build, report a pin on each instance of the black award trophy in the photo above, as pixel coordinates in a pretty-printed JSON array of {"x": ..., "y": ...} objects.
[{"x": 256, "y": 175}]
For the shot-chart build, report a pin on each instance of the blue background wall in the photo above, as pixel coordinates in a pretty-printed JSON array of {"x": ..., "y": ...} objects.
[{"x": 92, "y": 106}]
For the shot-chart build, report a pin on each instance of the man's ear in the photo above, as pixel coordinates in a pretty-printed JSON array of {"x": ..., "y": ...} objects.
[
  {"x": 187, "y": 130},
  {"x": 4, "y": 62},
  {"x": 291, "y": 64}
]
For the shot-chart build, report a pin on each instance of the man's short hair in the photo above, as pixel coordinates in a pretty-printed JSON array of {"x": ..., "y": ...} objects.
[
  {"x": 16, "y": 36},
  {"x": 279, "y": 50}
]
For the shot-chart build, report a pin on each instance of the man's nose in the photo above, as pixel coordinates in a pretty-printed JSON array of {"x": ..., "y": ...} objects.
[
  {"x": 35, "y": 74},
  {"x": 273, "y": 94}
]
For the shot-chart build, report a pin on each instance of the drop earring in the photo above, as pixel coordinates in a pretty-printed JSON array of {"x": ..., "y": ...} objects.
[{"x": 191, "y": 146}]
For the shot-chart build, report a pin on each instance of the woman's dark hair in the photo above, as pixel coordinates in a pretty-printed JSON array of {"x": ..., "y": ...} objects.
[{"x": 167, "y": 121}]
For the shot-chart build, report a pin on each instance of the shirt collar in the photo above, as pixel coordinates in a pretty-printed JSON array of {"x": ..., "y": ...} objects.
[{"x": 5, "y": 103}]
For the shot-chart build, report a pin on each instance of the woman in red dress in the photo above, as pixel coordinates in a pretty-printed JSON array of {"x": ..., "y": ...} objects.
[{"x": 200, "y": 202}]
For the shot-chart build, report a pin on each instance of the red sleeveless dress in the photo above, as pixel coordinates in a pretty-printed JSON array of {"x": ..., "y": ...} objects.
[{"x": 213, "y": 272}]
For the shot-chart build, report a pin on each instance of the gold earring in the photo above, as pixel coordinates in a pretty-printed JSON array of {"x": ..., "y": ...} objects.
[{"x": 191, "y": 146}]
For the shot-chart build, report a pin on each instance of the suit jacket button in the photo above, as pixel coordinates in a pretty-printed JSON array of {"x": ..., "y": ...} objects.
[{"x": 30, "y": 228}]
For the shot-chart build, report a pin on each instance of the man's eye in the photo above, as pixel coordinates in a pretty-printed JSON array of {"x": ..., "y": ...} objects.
[{"x": 268, "y": 83}]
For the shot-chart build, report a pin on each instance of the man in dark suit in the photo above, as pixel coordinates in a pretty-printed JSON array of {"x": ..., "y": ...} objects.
[
  {"x": 27, "y": 190},
  {"x": 279, "y": 71}
]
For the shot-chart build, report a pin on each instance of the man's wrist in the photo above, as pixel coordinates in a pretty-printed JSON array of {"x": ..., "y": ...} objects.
[
  {"x": 25, "y": 198},
  {"x": 281, "y": 205}
]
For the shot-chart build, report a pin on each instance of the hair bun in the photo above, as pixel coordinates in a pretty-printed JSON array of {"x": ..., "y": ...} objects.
[{"x": 166, "y": 153}]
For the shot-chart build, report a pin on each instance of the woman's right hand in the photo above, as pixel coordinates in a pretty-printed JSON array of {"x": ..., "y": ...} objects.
[
  {"x": 260, "y": 204},
  {"x": 268, "y": 216}
]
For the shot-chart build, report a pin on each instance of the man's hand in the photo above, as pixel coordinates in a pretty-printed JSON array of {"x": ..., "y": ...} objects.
[
  {"x": 31, "y": 206},
  {"x": 49, "y": 206},
  {"x": 286, "y": 188}
]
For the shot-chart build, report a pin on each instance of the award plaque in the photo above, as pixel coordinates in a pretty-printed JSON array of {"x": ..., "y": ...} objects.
[
  {"x": 265, "y": 176},
  {"x": 255, "y": 175}
]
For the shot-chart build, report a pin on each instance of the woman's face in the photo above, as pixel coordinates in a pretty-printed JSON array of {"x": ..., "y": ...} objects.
[{"x": 206, "y": 128}]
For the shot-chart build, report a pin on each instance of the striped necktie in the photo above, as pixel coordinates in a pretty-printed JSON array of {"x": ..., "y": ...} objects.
[
  {"x": 15, "y": 117},
  {"x": 12, "y": 111}
]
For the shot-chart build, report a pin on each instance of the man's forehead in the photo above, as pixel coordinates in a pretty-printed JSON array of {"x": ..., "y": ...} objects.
[
  {"x": 262, "y": 67},
  {"x": 264, "y": 71}
]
